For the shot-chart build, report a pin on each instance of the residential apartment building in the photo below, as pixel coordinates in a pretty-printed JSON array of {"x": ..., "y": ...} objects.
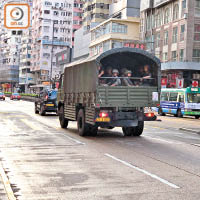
[
  {"x": 26, "y": 77},
  {"x": 120, "y": 30},
  {"x": 95, "y": 12},
  {"x": 115, "y": 33},
  {"x": 10, "y": 49},
  {"x": 171, "y": 28},
  {"x": 52, "y": 25},
  {"x": 77, "y": 17},
  {"x": 10, "y": 41},
  {"x": 124, "y": 9}
]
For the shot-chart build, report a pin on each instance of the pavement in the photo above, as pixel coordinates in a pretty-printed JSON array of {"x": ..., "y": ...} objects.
[
  {"x": 45, "y": 162},
  {"x": 3, "y": 194}
]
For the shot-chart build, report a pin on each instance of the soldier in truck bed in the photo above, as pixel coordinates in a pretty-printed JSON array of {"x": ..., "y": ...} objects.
[{"x": 115, "y": 81}]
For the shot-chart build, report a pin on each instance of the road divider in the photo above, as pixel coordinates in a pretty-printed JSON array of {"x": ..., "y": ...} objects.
[{"x": 143, "y": 171}]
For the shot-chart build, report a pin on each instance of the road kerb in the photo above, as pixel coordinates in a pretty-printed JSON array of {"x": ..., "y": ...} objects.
[
  {"x": 7, "y": 185},
  {"x": 190, "y": 130}
]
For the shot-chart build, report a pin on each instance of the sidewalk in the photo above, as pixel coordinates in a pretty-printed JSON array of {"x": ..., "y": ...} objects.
[
  {"x": 3, "y": 195},
  {"x": 187, "y": 124}
]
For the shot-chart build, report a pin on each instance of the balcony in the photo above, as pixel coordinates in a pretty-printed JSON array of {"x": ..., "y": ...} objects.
[{"x": 55, "y": 43}]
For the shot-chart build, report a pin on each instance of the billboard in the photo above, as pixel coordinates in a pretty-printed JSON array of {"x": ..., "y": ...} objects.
[
  {"x": 145, "y": 4},
  {"x": 160, "y": 2}
]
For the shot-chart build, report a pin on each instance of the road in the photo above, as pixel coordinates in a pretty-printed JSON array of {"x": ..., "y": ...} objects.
[{"x": 44, "y": 162}]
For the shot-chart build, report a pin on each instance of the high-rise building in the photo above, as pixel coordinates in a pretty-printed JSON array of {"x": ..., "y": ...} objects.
[
  {"x": 10, "y": 41},
  {"x": 95, "y": 12},
  {"x": 171, "y": 29},
  {"x": 51, "y": 33},
  {"x": 77, "y": 17}
]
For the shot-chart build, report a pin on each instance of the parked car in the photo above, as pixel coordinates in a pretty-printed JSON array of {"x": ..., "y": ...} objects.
[
  {"x": 15, "y": 96},
  {"x": 46, "y": 102},
  {"x": 2, "y": 96}
]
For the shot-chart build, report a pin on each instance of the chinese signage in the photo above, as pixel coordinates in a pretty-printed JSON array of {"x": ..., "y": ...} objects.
[
  {"x": 179, "y": 83},
  {"x": 164, "y": 82},
  {"x": 16, "y": 16},
  {"x": 133, "y": 45}
]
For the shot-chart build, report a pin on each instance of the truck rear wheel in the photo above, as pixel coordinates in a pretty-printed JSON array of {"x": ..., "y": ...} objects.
[
  {"x": 134, "y": 131},
  {"x": 62, "y": 119},
  {"x": 93, "y": 130},
  {"x": 127, "y": 131},
  {"x": 83, "y": 128},
  {"x": 138, "y": 130}
]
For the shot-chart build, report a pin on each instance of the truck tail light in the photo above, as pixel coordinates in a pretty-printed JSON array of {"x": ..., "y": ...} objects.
[
  {"x": 149, "y": 115},
  {"x": 46, "y": 97},
  {"x": 103, "y": 114}
]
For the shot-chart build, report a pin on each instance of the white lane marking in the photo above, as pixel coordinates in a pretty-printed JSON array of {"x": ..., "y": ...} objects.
[
  {"x": 73, "y": 139},
  {"x": 161, "y": 140},
  {"x": 143, "y": 171}
]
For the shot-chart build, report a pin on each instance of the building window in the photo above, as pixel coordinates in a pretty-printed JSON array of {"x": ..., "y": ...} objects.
[
  {"x": 197, "y": 32},
  {"x": 182, "y": 34},
  {"x": 167, "y": 16},
  {"x": 158, "y": 19},
  {"x": 47, "y": 12},
  {"x": 175, "y": 12},
  {"x": 56, "y": 13},
  {"x": 46, "y": 28},
  {"x": 181, "y": 55},
  {"x": 119, "y": 28},
  {"x": 148, "y": 22},
  {"x": 166, "y": 38},
  {"x": 157, "y": 40},
  {"x": 174, "y": 57},
  {"x": 197, "y": 4},
  {"x": 116, "y": 44},
  {"x": 196, "y": 55},
  {"x": 165, "y": 57},
  {"x": 106, "y": 46},
  {"x": 175, "y": 34}
]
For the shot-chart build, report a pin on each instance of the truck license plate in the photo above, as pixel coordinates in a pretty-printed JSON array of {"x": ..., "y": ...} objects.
[
  {"x": 49, "y": 104},
  {"x": 101, "y": 119}
]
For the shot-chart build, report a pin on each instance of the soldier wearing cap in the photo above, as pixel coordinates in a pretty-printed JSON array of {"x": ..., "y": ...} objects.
[{"x": 115, "y": 81}]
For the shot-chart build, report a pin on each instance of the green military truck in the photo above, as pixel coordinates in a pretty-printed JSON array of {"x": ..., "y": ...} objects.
[{"x": 83, "y": 98}]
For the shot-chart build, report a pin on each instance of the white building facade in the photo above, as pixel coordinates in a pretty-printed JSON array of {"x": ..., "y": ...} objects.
[{"x": 52, "y": 24}]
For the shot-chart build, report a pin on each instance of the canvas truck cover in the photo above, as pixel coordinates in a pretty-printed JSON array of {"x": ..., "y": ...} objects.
[{"x": 82, "y": 75}]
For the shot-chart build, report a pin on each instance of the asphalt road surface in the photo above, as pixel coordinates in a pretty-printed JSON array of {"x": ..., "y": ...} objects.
[{"x": 44, "y": 162}]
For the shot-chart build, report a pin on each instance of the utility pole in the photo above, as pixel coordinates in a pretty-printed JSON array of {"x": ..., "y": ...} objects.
[{"x": 52, "y": 54}]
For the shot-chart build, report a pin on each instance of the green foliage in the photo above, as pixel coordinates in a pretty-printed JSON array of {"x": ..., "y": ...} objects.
[{"x": 23, "y": 94}]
